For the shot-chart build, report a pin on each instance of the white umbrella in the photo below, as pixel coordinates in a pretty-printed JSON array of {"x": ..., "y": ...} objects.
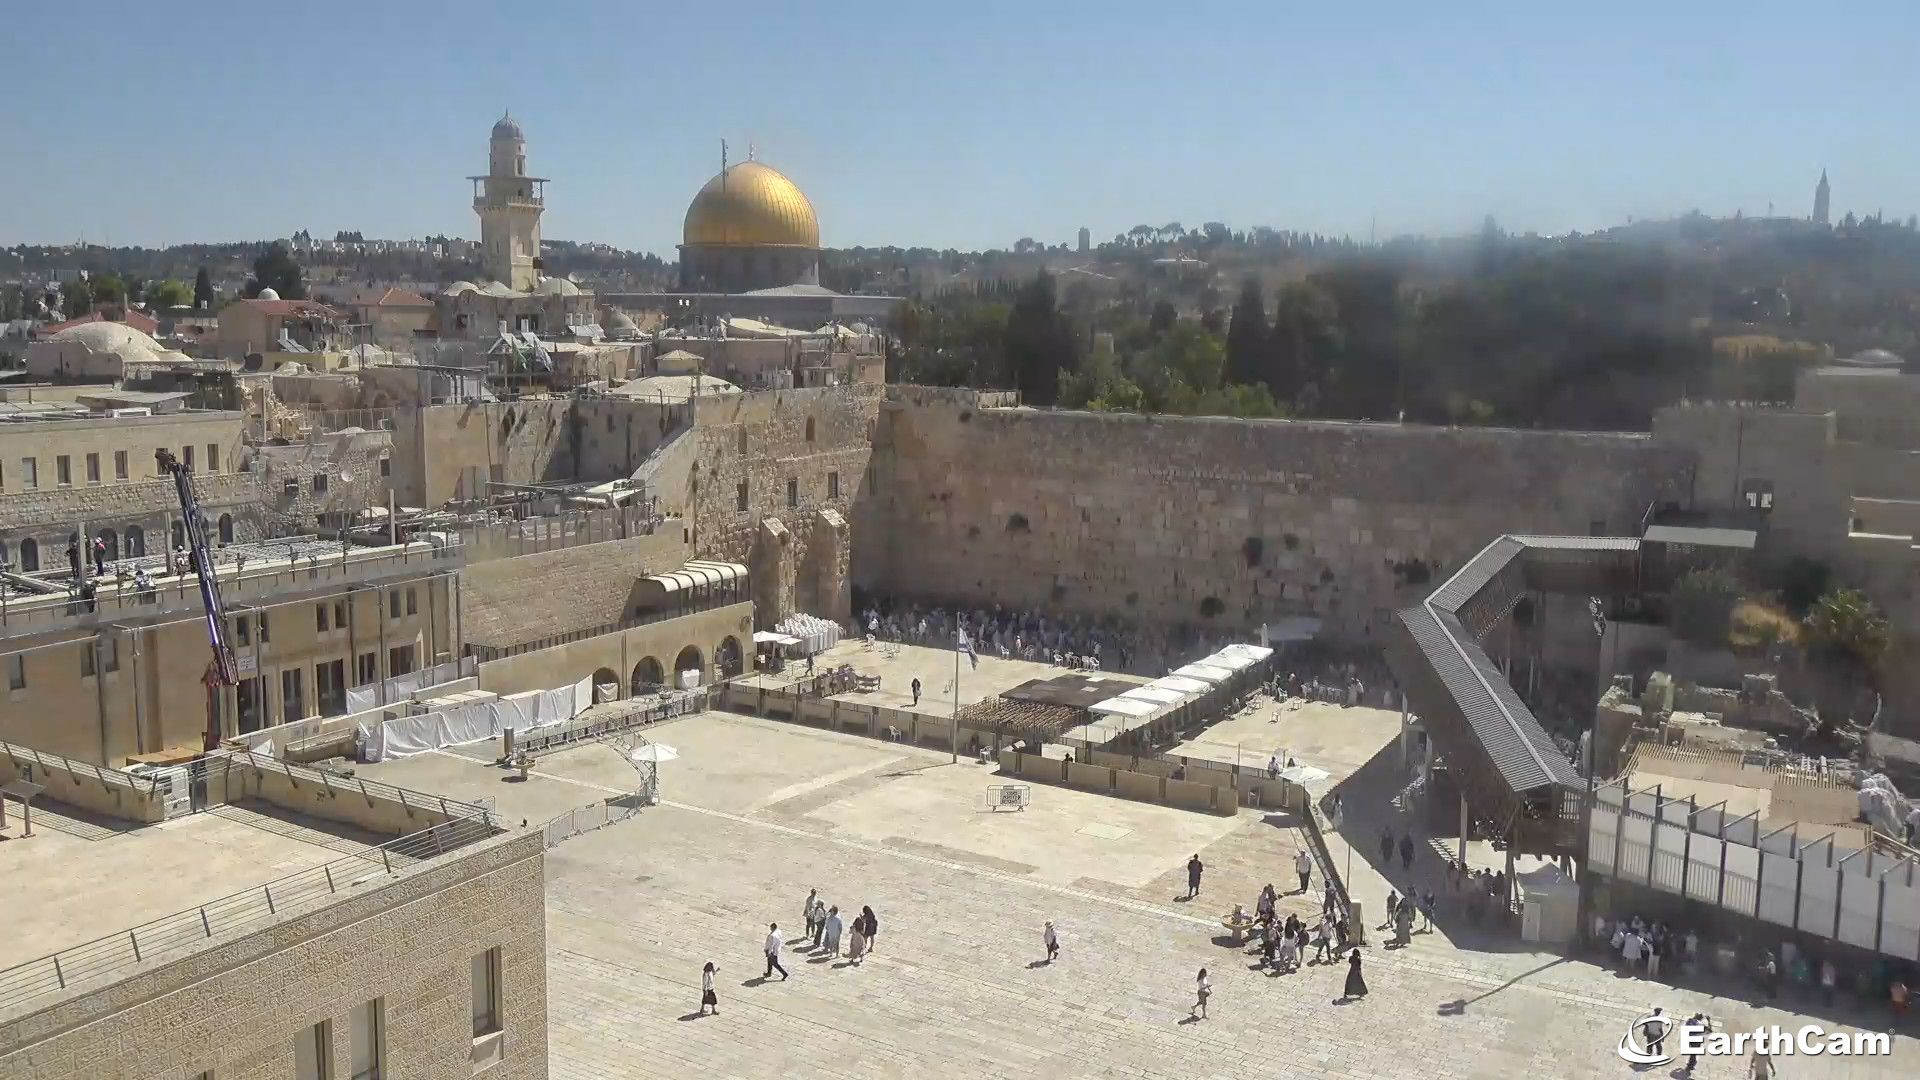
[
  {"x": 654, "y": 752},
  {"x": 1303, "y": 775}
]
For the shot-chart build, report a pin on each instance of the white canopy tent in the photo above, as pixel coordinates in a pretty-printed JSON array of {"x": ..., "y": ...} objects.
[
  {"x": 768, "y": 637},
  {"x": 1206, "y": 673},
  {"x": 1125, "y": 706},
  {"x": 1180, "y": 684},
  {"x": 1158, "y": 695}
]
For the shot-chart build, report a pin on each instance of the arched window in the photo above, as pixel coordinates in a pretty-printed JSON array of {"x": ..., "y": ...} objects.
[
  {"x": 226, "y": 528},
  {"x": 29, "y": 555},
  {"x": 136, "y": 541},
  {"x": 809, "y": 429}
]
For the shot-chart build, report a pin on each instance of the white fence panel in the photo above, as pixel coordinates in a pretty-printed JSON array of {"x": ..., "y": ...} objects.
[
  {"x": 1602, "y": 831},
  {"x": 1900, "y": 920},
  {"x": 1636, "y": 848},
  {"x": 1819, "y": 894},
  {"x": 1741, "y": 892},
  {"x": 1859, "y": 911},
  {"x": 1703, "y": 868},
  {"x": 1669, "y": 858},
  {"x": 1779, "y": 883}
]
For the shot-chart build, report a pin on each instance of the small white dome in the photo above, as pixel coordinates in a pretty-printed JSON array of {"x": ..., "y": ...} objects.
[
  {"x": 507, "y": 128},
  {"x": 459, "y": 287},
  {"x": 267, "y": 294},
  {"x": 559, "y": 286}
]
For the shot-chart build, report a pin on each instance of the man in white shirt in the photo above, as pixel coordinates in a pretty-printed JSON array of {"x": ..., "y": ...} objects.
[
  {"x": 774, "y": 942},
  {"x": 1630, "y": 950},
  {"x": 1303, "y": 865}
]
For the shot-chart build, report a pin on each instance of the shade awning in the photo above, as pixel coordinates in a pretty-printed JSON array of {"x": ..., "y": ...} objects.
[
  {"x": 1158, "y": 695},
  {"x": 1206, "y": 673},
  {"x": 1253, "y": 653},
  {"x": 1234, "y": 662},
  {"x": 1124, "y": 706},
  {"x": 1181, "y": 684},
  {"x": 768, "y": 637},
  {"x": 695, "y": 574}
]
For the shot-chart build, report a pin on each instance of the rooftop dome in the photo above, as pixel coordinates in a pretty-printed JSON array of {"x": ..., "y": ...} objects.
[
  {"x": 558, "y": 286},
  {"x": 507, "y": 128},
  {"x": 620, "y": 320},
  {"x": 751, "y": 205},
  {"x": 109, "y": 337},
  {"x": 267, "y": 294},
  {"x": 459, "y": 287}
]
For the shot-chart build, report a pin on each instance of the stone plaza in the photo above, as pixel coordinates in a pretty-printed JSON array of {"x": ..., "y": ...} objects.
[{"x": 755, "y": 812}]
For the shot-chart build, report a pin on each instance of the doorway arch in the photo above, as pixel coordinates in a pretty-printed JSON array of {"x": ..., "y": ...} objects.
[
  {"x": 136, "y": 541},
  {"x": 226, "y": 528},
  {"x": 606, "y": 686},
  {"x": 727, "y": 660},
  {"x": 112, "y": 541},
  {"x": 689, "y": 660},
  {"x": 29, "y": 554},
  {"x": 648, "y": 677}
]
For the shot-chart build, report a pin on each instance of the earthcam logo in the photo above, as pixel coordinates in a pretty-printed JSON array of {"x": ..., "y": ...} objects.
[{"x": 1657, "y": 1038}]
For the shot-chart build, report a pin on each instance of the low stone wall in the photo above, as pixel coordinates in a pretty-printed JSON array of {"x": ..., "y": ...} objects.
[
  {"x": 377, "y": 808},
  {"x": 800, "y": 705},
  {"x": 1125, "y": 783}
]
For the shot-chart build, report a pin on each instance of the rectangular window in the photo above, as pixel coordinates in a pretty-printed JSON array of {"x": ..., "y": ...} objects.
[
  {"x": 16, "y": 672},
  {"x": 369, "y": 1040},
  {"x": 413, "y": 602},
  {"x": 399, "y": 660},
  {"x": 340, "y": 615},
  {"x": 87, "y": 659},
  {"x": 330, "y": 686},
  {"x": 63, "y": 470},
  {"x": 293, "y": 698},
  {"x": 486, "y": 992},
  {"x": 311, "y": 1048},
  {"x": 186, "y": 456},
  {"x": 240, "y": 631},
  {"x": 366, "y": 668},
  {"x": 109, "y": 655},
  {"x": 793, "y": 494},
  {"x": 740, "y": 497},
  {"x": 93, "y": 468},
  {"x": 213, "y": 457},
  {"x": 119, "y": 464},
  {"x": 386, "y": 466},
  {"x": 833, "y": 485},
  {"x": 319, "y": 483},
  {"x": 320, "y": 617},
  {"x": 393, "y": 604},
  {"x": 247, "y": 695},
  {"x": 30, "y": 472}
]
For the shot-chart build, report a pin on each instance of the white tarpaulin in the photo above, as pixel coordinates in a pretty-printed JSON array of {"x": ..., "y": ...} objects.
[
  {"x": 1180, "y": 685},
  {"x": 1124, "y": 706},
  {"x": 1255, "y": 653},
  {"x": 583, "y": 694},
  {"x": 1204, "y": 672},
  {"x": 402, "y": 687},
  {"x": 1231, "y": 661},
  {"x": 463, "y": 724},
  {"x": 1158, "y": 695}
]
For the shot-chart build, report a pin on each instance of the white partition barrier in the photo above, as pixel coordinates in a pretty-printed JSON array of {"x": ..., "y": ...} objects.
[{"x": 1862, "y": 898}]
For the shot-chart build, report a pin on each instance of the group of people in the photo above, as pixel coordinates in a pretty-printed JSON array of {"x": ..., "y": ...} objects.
[
  {"x": 1075, "y": 642},
  {"x": 824, "y": 927}
]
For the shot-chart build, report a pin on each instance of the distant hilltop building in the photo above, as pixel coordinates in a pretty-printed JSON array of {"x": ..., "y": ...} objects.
[
  {"x": 1821, "y": 194},
  {"x": 1086, "y": 240}
]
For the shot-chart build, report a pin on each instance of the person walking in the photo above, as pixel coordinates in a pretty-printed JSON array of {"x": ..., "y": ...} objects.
[
  {"x": 1406, "y": 851},
  {"x": 1051, "y": 938},
  {"x": 1828, "y": 978},
  {"x": 1326, "y": 898},
  {"x": 872, "y": 929},
  {"x": 1655, "y": 1031},
  {"x": 916, "y": 691},
  {"x": 857, "y": 941},
  {"x": 99, "y": 555},
  {"x": 1203, "y": 989},
  {"x": 819, "y": 919},
  {"x": 1386, "y": 846},
  {"x": 806, "y": 911},
  {"x": 833, "y": 931},
  {"x": 1631, "y": 947},
  {"x": 1426, "y": 911},
  {"x": 1194, "y": 868},
  {"x": 774, "y": 941},
  {"x": 1760, "y": 1065},
  {"x": 1697, "y": 1023},
  {"x": 1303, "y": 865},
  {"x": 1770, "y": 975},
  {"x": 1393, "y": 908},
  {"x": 707, "y": 998},
  {"x": 1656, "y": 947},
  {"x": 1356, "y": 982}
]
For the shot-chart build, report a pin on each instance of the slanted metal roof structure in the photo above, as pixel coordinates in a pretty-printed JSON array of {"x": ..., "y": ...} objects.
[{"x": 1508, "y": 766}]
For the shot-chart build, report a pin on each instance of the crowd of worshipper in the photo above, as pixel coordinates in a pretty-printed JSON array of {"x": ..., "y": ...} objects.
[
  {"x": 1108, "y": 644},
  {"x": 1342, "y": 677},
  {"x": 1656, "y": 950}
]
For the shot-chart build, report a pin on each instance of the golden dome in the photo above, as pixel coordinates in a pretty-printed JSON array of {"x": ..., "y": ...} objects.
[{"x": 751, "y": 205}]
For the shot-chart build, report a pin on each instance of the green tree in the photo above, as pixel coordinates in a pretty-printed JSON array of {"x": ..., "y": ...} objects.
[
  {"x": 1248, "y": 336},
  {"x": 168, "y": 293},
  {"x": 76, "y": 297},
  {"x": 278, "y": 271},
  {"x": 1306, "y": 338},
  {"x": 1163, "y": 317},
  {"x": 1702, "y": 607},
  {"x": 1846, "y": 628},
  {"x": 203, "y": 290},
  {"x": 108, "y": 289},
  {"x": 1040, "y": 343}
]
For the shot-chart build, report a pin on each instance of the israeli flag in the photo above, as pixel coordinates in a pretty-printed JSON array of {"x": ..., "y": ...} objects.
[{"x": 966, "y": 646}]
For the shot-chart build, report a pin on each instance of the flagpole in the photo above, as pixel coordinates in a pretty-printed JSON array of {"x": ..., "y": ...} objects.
[{"x": 953, "y": 726}]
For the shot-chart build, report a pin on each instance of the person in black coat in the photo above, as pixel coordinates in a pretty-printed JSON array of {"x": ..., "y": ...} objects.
[{"x": 1356, "y": 982}]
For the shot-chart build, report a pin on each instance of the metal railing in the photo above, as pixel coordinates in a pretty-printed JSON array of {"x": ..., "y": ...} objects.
[
  {"x": 681, "y": 704},
  {"x": 121, "y": 599},
  {"x": 183, "y": 931},
  {"x": 297, "y": 775},
  {"x": 26, "y": 757},
  {"x": 588, "y": 818},
  {"x": 489, "y": 653}
]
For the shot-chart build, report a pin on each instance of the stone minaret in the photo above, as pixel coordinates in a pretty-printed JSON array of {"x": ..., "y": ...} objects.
[
  {"x": 1820, "y": 194},
  {"x": 509, "y": 203}
]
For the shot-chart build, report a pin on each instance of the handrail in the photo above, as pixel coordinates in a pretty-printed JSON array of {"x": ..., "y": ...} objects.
[
  {"x": 56, "y": 762},
  {"x": 297, "y": 773},
  {"x": 247, "y": 909}
]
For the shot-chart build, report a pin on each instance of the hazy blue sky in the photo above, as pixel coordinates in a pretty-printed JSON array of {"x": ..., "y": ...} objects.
[{"x": 952, "y": 124}]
